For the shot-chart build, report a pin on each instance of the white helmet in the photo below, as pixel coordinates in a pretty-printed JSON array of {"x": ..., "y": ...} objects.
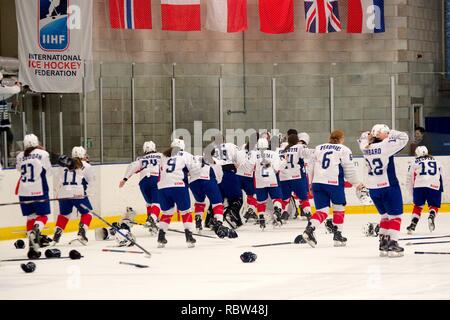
[
  {"x": 379, "y": 129},
  {"x": 303, "y": 136},
  {"x": 30, "y": 140},
  {"x": 149, "y": 146},
  {"x": 78, "y": 152},
  {"x": 177, "y": 143},
  {"x": 263, "y": 143},
  {"x": 421, "y": 151}
]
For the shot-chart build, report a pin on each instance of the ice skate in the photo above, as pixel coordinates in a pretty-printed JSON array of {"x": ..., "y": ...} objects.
[
  {"x": 394, "y": 250},
  {"x": 262, "y": 221},
  {"x": 198, "y": 223},
  {"x": 162, "y": 241},
  {"x": 277, "y": 220},
  {"x": 189, "y": 238},
  {"x": 309, "y": 237},
  {"x": 285, "y": 216},
  {"x": 151, "y": 225},
  {"x": 339, "y": 240},
  {"x": 57, "y": 236},
  {"x": 82, "y": 234},
  {"x": 431, "y": 218},
  {"x": 412, "y": 227},
  {"x": 33, "y": 250},
  {"x": 384, "y": 245},
  {"x": 250, "y": 214},
  {"x": 329, "y": 226},
  {"x": 44, "y": 241}
]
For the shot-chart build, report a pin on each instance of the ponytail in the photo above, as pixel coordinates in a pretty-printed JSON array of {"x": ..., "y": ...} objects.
[{"x": 292, "y": 141}]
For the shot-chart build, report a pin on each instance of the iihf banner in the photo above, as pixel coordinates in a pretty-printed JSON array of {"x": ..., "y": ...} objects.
[{"x": 55, "y": 44}]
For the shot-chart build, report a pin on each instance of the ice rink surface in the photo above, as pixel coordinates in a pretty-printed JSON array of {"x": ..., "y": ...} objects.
[{"x": 213, "y": 269}]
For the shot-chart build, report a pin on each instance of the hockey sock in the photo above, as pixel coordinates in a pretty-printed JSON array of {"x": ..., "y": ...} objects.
[
  {"x": 165, "y": 221},
  {"x": 187, "y": 221},
  {"x": 149, "y": 210},
  {"x": 417, "y": 211},
  {"x": 199, "y": 209},
  {"x": 61, "y": 222},
  {"x": 384, "y": 224},
  {"x": 338, "y": 219},
  {"x": 41, "y": 221},
  {"x": 218, "y": 211},
  {"x": 261, "y": 207},
  {"x": 319, "y": 217},
  {"x": 251, "y": 202},
  {"x": 155, "y": 211},
  {"x": 305, "y": 205},
  {"x": 394, "y": 227},
  {"x": 30, "y": 222},
  {"x": 86, "y": 219}
]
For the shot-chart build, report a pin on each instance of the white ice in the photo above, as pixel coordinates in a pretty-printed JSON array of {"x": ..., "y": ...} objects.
[{"x": 213, "y": 270}]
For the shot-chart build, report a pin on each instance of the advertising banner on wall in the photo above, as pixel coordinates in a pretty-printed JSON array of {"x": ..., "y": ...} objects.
[{"x": 55, "y": 45}]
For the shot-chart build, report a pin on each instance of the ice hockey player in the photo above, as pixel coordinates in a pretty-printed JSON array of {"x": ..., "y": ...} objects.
[
  {"x": 35, "y": 167},
  {"x": 202, "y": 182},
  {"x": 424, "y": 181},
  {"x": 379, "y": 147},
  {"x": 267, "y": 164},
  {"x": 225, "y": 154},
  {"x": 247, "y": 183},
  {"x": 293, "y": 173},
  {"x": 332, "y": 163},
  {"x": 148, "y": 167},
  {"x": 73, "y": 176},
  {"x": 173, "y": 191}
]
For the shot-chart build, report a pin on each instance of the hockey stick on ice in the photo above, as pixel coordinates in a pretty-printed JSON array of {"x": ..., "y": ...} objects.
[
  {"x": 425, "y": 238},
  {"x": 421, "y": 252},
  {"x": 179, "y": 231},
  {"x": 28, "y": 259},
  {"x": 418, "y": 243},
  {"x": 134, "y": 264},
  {"x": 148, "y": 254},
  {"x": 38, "y": 201}
]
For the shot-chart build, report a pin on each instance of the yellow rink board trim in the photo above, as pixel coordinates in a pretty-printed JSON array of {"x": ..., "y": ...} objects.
[{"x": 18, "y": 232}]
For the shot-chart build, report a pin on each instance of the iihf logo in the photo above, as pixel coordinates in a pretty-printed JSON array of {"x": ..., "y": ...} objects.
[{"x": 54, "y": 33}]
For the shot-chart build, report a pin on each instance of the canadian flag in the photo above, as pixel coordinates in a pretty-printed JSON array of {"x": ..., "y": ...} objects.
[
  {"x": 180, "y": 15},
  {"x": 226, "y": 15}
]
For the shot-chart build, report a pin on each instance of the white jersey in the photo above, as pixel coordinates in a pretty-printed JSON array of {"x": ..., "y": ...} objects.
[
  {"x": 147, "y": 165},
  {"x": 225, "y": 154},
  {"x": 74, "y": 183},
  {"x": 425, "y": 172},
  {"x": 34, "y": 171},
  {"x": 245, "y": 167},
  {"x": 332, "y": 163},
  {"x": 174, "y": 169},
  {"x": 380, "y": 158},
  {"x": 266, "y": 166},
  {"x": 200, "y": 170},
  {"x": 293, "y": 162}
]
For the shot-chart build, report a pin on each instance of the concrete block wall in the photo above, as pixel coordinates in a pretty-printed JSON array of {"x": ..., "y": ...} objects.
[{"x": 360, "y": 64}]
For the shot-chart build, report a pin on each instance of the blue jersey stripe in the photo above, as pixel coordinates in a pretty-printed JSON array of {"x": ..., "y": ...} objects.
[{"x": 128, "y": 9}]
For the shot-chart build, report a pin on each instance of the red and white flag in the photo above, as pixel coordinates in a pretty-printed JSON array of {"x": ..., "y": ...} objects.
[
  {"x": 226, "y": 15},
  {"x": 180, "y": 15},
  {"x": 276, "y": 16},
  {"x": 130, "y": 14}
]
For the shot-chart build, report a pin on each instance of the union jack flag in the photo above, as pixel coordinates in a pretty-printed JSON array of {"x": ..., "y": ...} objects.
[{"x": 322, "y": 16}]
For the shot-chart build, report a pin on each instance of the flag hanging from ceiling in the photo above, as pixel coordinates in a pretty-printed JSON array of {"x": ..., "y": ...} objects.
[
  {"x": 322, "y": 16},
  {"x": 226, "y": 15},
  {"x": 276, "y": 16},
  {"x": 365, "y": 16},
  {"x": 180, "y": 15},
  {"x": 130, "y": 14}
]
